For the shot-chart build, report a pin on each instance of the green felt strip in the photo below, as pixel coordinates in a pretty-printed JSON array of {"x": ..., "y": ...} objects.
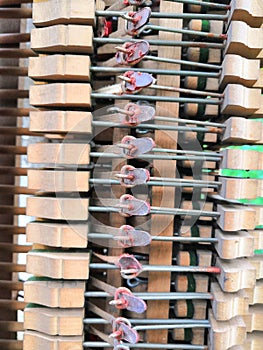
[
  {"x": 188, "y": 334},
  {"x": 205, "y": 26},
  {"x": 201, "y": 110},
  {"x": 190, "y": 309},
  {"x": 204, "y": 54},
  {"x": 201, "y": 83},
  {"x": 191, "y": 283},
  {"x": 195, "y": 231},
  {"x": 193, "y": 259}
]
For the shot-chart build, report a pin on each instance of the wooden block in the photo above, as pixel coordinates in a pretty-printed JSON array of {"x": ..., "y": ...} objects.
[
  {"x": 234, "y": 245},
  {"x": 253, "y": 341},
  {"x": 234, "y": 188},
  {"x": 258, "y": 239},
  {"x": 243, "y": 40},
  {"x": 57, "y": 235},
  {"x": 257, "y": 262},
  {"x": 60, "y": 95},
  {"x": 191, "y": 283},
  {"x": 50, "y": 12},
  {"x": 59, "y": 154},
  {"x": 52, "y": 293},
  {"x": 235, "y": 218},
  {"x": 254, "y": 319},
  {"x": 55, "y": 321},
  {"x": 194, "y": 110},
  {"x": 195, "y": 309},
  {"x": 250, "y": 12},
  {"x": 58, "y": 264},
  {"x": 197, "y": 54},
  {"x": 61, "y": 122},
  {"x": 228, "y": 305},
  {"x": 259, "y": 82},
  {"x": 241, "y": 159},
  {"x": 58, "y": 208},
  {"x": 239, "y": 70},
  {"x": 63, "y": 39},
  {"x": 60, "y": 67},
  {"x": 41, "y": 341},
  {"x": 58, "y": 180},
  {"x": 194, "y": 336},
  {"x": 207, "y": 206},
  {"x": 196, "y": 230},
  {"x": 210, "y": 137},
  {"x": 224, "y": 334},
  {"x": 255, "y": 294},
  {"x": 241, "y": 130},
  {"x": 210, "y": 84},
  {"x": 194, "y": 258},
  {"x": 240, "y": 101},
  {"x": 235, "y": 274}
]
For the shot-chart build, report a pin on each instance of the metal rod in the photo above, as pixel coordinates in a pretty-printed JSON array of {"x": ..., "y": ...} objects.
[
  {"x": 166, "y": 15},
  {"x": 13, "y": 70},
  {"x": 10, "y": 130},
  {"x": 188, "y": 121},
  {"x": 156, "y": 296},
  {"x": 97, "y": 344},
  {"x": 203, "y": 3},
  {"x": 206, "y": 101},
  {"x": 152, "y": 321},
  {"x": 159, "y": 268},
  {"x": 14, "y": 112},
  {"x": 163, "y": 183},
  {"x": 8, "y": 94},
  {"x": 191, "y": 152},
  {"x": 186, "y": 91},
  {"x": 17, "y": 53},
  {"x": 154, "y": 156},
  {"x": 150, "y": 27},
  {"x": 117, "y": 70},
  {"x": 160, "y": 210},
  {"x": 161, "y": 43},
  {"x": 14, "y": 2},
  {"x": 168, "y": 326},
  {"x": 15, "y": 12},
  {"x": 150, "y": 126},
  {"x": 183, "y": 62},
  {"x": 13, "y": 38},
  {"x": 178, "y": 239},
  {"x": 13, "y": 170}
]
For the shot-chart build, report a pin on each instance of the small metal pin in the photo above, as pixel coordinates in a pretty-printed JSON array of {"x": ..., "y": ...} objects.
[{"x": 133, "y": 52}]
